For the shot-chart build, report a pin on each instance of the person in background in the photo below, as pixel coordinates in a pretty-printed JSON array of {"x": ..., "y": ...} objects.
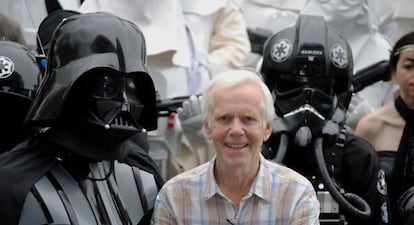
[
  {"x": 19, "y": 80},
  {"x": 27, "y": 14},
  {"x": 170, "y": 59},
  {"x": 356, "y": 22},
  {"x": 47, "y": 26},
  {"x": 265, "y": 17},
  {"x": 195, "y": 149},
  {"x": 219, "y": 27},
  {"x": 308, "y": 67},
  {"x": 390, "y": 129},
  {"x": 238, "y": 186},
  {"x": 45, "y": 31},
  {"x": 54, "y": 5},
  {"x": 81, "y": 167},
  {"x": 11, "y": 30},
  {"x": 198, "y": 40},
  {"x": 395, "y": 18}
]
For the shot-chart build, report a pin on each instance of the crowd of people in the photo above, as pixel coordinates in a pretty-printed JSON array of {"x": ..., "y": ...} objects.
[{"x": 277, "y": 135}]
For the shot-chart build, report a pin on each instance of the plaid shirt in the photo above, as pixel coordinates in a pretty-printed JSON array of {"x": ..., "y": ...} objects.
[{"x": 279, "y": 195}]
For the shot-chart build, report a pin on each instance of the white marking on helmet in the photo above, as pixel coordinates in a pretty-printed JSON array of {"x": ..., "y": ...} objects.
[
  {"x": 6, "y": 67},
  {"x": 281, "y": 50},
  {"x": 339, "y": 56}
]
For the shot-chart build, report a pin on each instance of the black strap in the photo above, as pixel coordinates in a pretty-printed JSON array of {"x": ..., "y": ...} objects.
[
  {"x": 402, "y": 173},
  {"x": 406, "y": 113}
]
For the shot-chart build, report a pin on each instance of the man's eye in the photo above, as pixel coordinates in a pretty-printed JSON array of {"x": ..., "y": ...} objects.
[
  {"x": 249, "y": 119},
  {"x": 223, "y": 119}
]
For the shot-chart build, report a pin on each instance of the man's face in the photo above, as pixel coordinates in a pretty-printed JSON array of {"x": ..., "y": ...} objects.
[{"x": 237, "y": 127}]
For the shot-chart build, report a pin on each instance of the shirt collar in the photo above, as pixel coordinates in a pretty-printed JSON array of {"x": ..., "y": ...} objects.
[{"x": 260, "y": 186}]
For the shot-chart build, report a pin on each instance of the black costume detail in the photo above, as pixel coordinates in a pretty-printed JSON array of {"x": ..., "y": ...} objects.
[
  {"x": 402, "y": 176},
  {"x": 406, "y": 113},
  {"x": 309, "y": 69},
  {"x": 19, "y": 80}
]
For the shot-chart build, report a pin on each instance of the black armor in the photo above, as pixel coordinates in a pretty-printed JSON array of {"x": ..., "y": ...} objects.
[
  {"x": 309, "y": 69},
  {"x": 19, "y": 80},
  {"x": 84, "y": 167}
]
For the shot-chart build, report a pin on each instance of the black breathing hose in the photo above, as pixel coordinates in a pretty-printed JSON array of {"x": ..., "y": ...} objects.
[{"x": 359, "y": 207}]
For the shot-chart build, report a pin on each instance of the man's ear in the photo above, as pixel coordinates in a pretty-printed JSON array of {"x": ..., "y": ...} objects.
[
  {"x": 207, "y": 129},
  {"x": 268, "y": 130}
]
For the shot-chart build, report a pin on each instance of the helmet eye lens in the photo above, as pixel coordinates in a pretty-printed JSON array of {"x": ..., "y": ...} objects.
[
  {"x": 291, "y": 82},
  {"x": 283, "y": 85},
  {"x": 131, "y": 88},
  {"x": 310, "y": 69},
  {"x": 106, "y": 87}
]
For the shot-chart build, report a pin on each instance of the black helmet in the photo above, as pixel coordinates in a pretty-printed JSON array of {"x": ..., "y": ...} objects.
[
  {"x": 93, "y": 43},
  {"x": 308, "y": 52},
  {"x": 404, "y": 210},
  {"x": 48, "y": 25},
  {"x": 19, "y": 72},
  {"x": 307, "y": 66},
  {"x": 19, "y": 80}
]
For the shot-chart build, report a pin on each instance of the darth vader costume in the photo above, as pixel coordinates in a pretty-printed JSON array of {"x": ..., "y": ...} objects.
[
  {"x": 85, "y": 166},
  {"x": 309, "y": 70},
  {"x": 19, "y": 80}
]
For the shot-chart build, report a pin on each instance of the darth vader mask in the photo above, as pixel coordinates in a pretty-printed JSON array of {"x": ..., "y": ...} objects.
[{"x": 108, "y": 104}]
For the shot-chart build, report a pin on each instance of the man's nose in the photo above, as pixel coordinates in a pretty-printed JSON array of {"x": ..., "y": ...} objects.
[{"x": 236, "y": 127}]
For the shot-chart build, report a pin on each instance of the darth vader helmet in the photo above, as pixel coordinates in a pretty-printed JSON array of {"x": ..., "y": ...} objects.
[
  {"x": 97, "y": 79},
  {"x": 307, "y": 67},
  {"x": 19, "y": 80}
]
